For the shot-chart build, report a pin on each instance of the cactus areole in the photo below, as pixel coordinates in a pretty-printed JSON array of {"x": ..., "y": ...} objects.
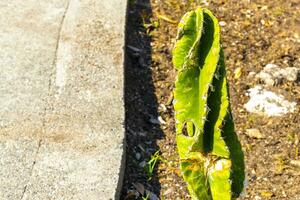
[{"x": 211, "y": 159}]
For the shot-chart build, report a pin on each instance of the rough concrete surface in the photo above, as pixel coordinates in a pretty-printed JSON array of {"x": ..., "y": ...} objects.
[{"x": 61, "y": 99}]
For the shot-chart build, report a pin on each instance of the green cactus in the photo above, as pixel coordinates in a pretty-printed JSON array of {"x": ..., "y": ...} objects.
[{"x": 211, "y": 159}]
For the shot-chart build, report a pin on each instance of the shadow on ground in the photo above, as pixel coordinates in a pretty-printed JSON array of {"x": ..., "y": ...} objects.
[{"x": 142, "y": 127}]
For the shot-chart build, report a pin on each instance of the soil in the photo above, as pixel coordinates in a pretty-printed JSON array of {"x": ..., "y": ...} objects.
[{"x": 254, "y": 33}]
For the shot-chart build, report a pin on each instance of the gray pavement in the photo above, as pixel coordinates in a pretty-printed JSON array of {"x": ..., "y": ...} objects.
[{"x": 61, "y": 99}]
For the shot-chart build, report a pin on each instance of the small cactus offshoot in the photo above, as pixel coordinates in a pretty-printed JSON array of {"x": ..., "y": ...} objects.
[{"x": 211, "y": 158}]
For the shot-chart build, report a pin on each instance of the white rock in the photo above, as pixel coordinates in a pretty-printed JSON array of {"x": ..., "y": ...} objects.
[
  {"x": 273, "y": 74},
  {"x": 270, "y": 66},
  {"x": 291, "y": 73},
  {"x": 268, "y": 103},
  {"x": 266, "y": 78}
]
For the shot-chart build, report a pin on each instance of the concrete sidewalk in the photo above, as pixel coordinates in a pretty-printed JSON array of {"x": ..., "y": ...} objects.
[{"x": 61, "y": 99}]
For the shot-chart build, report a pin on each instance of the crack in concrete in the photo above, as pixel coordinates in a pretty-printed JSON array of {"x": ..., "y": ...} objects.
[{"x": 49, "y": 94}]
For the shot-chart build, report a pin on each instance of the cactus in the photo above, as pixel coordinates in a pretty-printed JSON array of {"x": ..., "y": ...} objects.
[{"x": 211, "y": 159}]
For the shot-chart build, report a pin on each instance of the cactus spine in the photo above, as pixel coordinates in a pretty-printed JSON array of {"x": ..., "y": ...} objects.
[{"x": 211, "y": 159}]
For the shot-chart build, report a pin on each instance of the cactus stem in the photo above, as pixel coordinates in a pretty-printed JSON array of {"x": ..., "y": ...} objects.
[{"x": 211, "y": 159}]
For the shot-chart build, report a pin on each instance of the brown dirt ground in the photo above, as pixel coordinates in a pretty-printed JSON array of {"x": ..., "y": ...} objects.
[{"x": 257, "y": 32}]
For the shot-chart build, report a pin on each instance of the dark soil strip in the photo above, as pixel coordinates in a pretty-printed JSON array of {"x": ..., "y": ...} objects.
[{"x": 142, "y": 129}]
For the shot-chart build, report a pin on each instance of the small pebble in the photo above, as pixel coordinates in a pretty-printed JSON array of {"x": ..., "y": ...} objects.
[
  {"x": 168, "y": 191},
  {"x": 222, "y": 23},
  {"x": 251, "y": 74},
  {"x": 257, "y": 198},
  {"x": 142, "y": 164},
  {"x": 163, "y": 107},
  {"x": 154, "y": 121},
  {"x": 138, "y": 156},
  {"x": 161, "y": 121},
  {"x": 254, "y": 133},
  {"x": 295, "y": 163}
]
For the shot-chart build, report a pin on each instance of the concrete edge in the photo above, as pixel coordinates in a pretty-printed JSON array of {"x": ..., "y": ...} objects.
[{"x": 123, "y": 159}]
